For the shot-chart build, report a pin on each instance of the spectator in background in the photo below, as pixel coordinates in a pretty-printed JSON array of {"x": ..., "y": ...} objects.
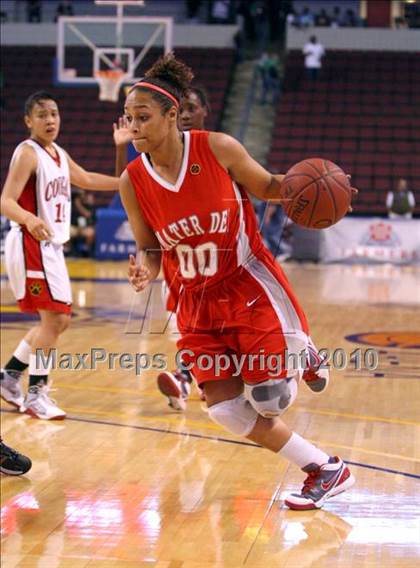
[
  {"x": 400, "y": 23},
  {"x": 292, "y": 18},
  {"x": 246, "y": 11},
  {"x": 4, "y": 229},
  {"x": 400, "y": 203},
  {"x": 33, "y": 11},
  {"x": 350, "y": 19},
  {"x": 193, "y": 8},
  {"x": 322, "y": 19},
  {"x": 220, "y": 11},
  {"x": 313, "y": 52},
  {"x": 268, "y": 70},
  {"x": 306, "y": 19},
  {"x": 83, "y": 219},
  {"x": 336, "y": 20},
  {"x": 272, "y": 220},
  {"x": 64, "y": 8}
]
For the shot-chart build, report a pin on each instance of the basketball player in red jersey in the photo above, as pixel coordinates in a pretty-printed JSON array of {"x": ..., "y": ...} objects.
[
  {"x": 37, "y": 199},
  {"x": 182, "y": 200},
  {"x": 176, "y": 385}
]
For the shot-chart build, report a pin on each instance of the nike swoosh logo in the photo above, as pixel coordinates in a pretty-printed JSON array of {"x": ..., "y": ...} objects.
[
  {"x": 327, "y": 486},
  {"x": 249, "y": 304}
]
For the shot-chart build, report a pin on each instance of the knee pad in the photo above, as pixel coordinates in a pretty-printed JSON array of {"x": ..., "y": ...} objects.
[
  {"x": 236, "y": 415},
  {"x": 272, "y": 397}
]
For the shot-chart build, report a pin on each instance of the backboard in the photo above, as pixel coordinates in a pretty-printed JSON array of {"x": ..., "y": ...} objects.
[{"x": 88, "y": 44}]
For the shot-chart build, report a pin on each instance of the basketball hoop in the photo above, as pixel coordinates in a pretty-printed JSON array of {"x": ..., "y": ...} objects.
[{"x": 110, "y": 81}]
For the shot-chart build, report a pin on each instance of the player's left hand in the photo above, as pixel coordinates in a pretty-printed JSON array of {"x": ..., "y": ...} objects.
[
  {"x": 353, "y": 190},
  {"x": 122, "y": 134},
  {"x": 139, "y": 275}
]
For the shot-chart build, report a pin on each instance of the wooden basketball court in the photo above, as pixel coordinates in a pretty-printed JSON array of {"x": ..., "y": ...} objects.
[{"x": 126, "y": 482}]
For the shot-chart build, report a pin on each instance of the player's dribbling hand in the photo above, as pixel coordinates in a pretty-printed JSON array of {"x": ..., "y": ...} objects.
[
  {"x": 139, "y": 275},
  {"x": 38, "y": 228},
  {"x": 122, "y": 134},
  {"x": 353, "y": 190}
]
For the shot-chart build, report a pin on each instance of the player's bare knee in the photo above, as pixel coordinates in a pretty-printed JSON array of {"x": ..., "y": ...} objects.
[
  {"x": 235, "y": 415},
  {"x": 58, "y": 323},
  {"x": 272, "y": 397}
]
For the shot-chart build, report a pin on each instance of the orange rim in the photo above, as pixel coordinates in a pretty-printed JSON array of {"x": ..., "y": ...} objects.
[{"x": 110, "y": 74}]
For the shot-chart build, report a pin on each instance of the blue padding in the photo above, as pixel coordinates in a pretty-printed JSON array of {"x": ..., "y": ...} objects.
[
  {"x": 132, "y": 154},
  {"x": 116, "y": 202},
  {"x": 114, "y": 240}
]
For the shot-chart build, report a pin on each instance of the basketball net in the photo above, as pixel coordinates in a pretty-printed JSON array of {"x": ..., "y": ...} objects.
[{"x": 109, "y": 82}]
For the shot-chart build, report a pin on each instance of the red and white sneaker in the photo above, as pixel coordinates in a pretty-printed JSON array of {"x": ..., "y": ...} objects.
[
  {"x": 317, "y": 374},
  {"x": 322, "y": 483},
  {"x": 176, "y": 387}
]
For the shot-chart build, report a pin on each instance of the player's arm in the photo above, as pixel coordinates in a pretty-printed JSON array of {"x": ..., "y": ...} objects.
[
  {"x": 146, "y": 266},
  {"x": 21, "y": 169},
  {"x": 90, "y": 180},
  {"x": 245, "y": 170}
]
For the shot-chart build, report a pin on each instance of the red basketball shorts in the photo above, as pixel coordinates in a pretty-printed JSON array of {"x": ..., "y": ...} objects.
[
  {"x": 250, "y": 325},
  {"x": 37, "y": 273}
]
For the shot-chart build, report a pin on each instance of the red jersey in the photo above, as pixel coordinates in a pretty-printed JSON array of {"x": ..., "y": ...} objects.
[
  {"x": 207, "y": 229},
  {"x": 205, "y": 223}
]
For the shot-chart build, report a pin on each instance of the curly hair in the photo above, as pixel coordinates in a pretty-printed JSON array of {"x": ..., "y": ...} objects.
[{"x": 170, "y": 74}]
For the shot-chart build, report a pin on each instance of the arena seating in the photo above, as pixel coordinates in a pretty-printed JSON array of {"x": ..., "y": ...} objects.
[
  {"x": 86, "y": 131},
  {"x": 364, "y": 114}
]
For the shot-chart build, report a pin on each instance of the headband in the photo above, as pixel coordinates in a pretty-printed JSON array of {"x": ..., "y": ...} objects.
[{"x": 159, "y": 90}]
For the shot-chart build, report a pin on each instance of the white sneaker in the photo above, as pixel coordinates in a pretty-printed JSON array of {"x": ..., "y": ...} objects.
[
  {"x": 10, "y": 387},
  {"x": 38, "y": 404}
]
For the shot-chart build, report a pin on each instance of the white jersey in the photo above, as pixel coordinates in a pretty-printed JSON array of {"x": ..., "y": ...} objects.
[
  {"x": 313, "y": 53},
  {"x": 47, "y": 194}
]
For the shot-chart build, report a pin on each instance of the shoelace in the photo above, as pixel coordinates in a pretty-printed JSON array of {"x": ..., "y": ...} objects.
[
  {"x": 44, "y": 391},
  {"x": 309, "y": 482},
  {"x": 47, "y": 398}
]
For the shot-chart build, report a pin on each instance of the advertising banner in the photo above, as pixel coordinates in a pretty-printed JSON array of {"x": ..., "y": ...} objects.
[{"x": 370, "y": 240}]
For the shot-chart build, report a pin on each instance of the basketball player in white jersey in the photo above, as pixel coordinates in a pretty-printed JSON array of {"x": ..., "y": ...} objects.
[{"x": 37, "y": 199}]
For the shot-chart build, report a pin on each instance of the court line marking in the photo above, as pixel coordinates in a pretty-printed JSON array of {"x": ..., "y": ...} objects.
[
  {"x": 360, "y": 416},
  {"x": 100, "y": 279},
  {"x": 210, "y": 426},
  {"x": 364, "y": 450},
  {"x": 227, "y": 441},
  {"x": 297, "y": 409},
  {"x": 240, "y": 442}
]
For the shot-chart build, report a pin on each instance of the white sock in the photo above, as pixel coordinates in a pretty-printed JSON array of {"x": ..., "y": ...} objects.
[
  {"x": 22, "y": 352},
  {"x": 37, "y": 366},
  {"x": 301, "y": 452}
]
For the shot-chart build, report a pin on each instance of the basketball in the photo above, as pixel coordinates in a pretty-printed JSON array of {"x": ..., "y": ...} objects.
[{"x": 319, "y": 193}]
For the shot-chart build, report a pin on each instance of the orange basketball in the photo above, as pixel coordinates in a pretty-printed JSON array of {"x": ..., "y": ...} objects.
[{"x": 319, "y": 193}]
